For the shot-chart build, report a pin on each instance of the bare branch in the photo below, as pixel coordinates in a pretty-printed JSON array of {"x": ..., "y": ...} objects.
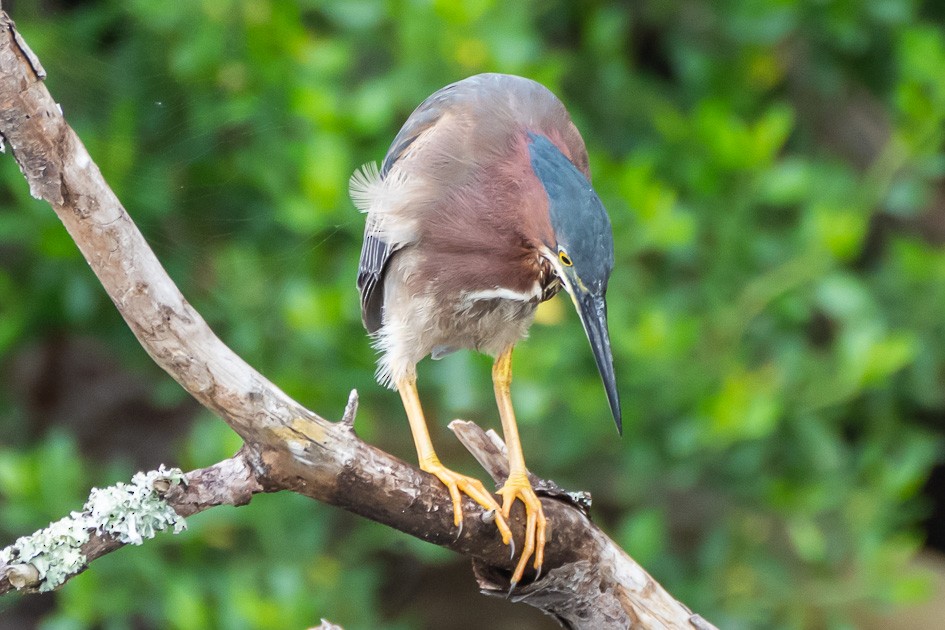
[{"x": 590, "y": 582}]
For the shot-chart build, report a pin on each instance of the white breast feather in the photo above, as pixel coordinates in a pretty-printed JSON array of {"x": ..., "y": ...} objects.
[{"x": 503, "y": 293}]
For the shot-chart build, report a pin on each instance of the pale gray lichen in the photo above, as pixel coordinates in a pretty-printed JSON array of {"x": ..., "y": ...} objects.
[
  {"x": 131, "y": 513},
  {"x": 134, "y": 512}
]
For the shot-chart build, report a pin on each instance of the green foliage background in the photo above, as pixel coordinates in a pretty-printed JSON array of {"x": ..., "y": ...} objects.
[{"x": 773, "y": 172}]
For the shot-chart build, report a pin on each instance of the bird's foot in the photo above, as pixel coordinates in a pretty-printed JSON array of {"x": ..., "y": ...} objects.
[
  {"x": 471, "y": 487},
  {"x": 517, "y": 486}
]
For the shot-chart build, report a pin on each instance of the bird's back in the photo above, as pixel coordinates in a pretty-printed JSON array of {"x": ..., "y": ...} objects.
[{"x": 473, "y": 121}]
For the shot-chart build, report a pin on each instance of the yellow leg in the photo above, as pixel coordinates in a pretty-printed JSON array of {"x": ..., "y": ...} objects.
[
  {"x": 517, "y": 485},
  {"x": 429, "y": 462}
]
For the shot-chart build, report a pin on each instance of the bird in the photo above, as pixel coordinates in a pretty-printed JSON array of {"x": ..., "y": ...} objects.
[{"x": 481, "y": 209}]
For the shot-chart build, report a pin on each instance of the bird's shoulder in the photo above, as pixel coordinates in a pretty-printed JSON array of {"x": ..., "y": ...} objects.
[{"x": 476, "y": 119}]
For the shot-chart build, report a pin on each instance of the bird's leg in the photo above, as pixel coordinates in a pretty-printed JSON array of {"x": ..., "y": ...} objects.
[
  {"x": 517, "y": 485},
  {"x": 429, "y": 462}
]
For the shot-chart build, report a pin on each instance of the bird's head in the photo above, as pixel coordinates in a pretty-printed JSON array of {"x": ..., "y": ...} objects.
[{"x": 583, "y": 254}]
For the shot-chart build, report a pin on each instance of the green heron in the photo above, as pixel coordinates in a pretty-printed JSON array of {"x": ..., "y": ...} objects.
[{"x": 482, "y": 209}]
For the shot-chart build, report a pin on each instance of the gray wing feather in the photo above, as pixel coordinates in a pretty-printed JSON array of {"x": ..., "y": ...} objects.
[{"x": 375, "y": 254}]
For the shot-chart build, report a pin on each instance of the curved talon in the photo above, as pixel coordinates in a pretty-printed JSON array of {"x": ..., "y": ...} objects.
[
  {"x": 473, "y": 488},
  {"x": 518, "y": 487}
]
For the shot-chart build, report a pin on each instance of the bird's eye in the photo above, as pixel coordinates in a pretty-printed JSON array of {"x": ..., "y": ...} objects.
[{"x": 564, "y": 258}]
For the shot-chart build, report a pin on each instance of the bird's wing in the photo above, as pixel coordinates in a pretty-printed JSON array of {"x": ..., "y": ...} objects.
[
  {"x": 376, "y": 252},
  {"x": 427, "y": 114}
]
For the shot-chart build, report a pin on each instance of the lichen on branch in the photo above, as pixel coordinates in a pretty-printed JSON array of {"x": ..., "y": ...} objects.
[{"x": 130, "y": 512}]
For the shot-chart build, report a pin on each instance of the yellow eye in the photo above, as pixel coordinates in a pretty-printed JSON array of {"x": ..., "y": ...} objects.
[{"x": 564, "y": 258}]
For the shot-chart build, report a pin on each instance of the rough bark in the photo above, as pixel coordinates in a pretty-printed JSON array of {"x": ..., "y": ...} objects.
[{"x": 589, "y": 582}]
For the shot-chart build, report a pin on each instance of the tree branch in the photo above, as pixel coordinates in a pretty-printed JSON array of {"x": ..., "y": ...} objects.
[
  {"x": 589, "y": 581},
  {"x": 116, "y": 516}
]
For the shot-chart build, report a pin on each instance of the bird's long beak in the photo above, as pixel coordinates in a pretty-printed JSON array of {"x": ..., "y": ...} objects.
[{"x": 593, "y": 312}]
